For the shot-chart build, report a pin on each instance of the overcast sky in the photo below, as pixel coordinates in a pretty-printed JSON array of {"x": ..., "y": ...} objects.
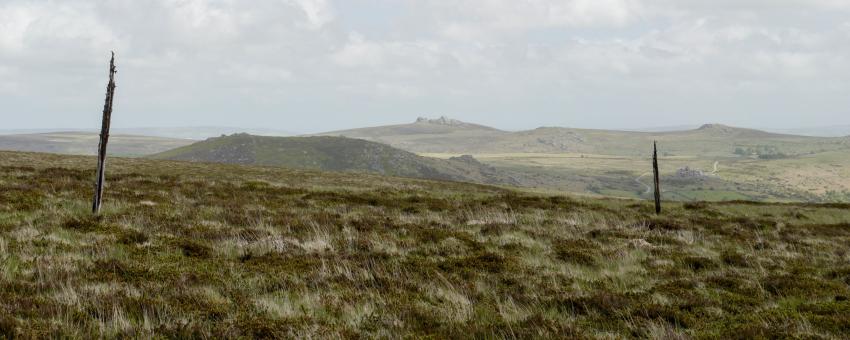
[{"x": 316, "y": 65}]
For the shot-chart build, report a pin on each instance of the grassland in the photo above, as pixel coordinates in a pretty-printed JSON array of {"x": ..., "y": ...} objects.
[
  {"x": 817, "y": 177},
  {"x": 85, "y": 143},
  {"x": 752, "y": 164},
  {"x": 203, "y": 250}
]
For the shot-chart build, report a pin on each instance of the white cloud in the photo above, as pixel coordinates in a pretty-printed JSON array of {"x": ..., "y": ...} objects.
[
  {"x": 487, "y": 57},
  {"x": 27, "y": 29},
  {"x": 471, "y": 19},
  {"x": 319, "y": 12}
]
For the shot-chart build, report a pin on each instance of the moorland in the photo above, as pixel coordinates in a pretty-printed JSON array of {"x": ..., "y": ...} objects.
[{"x": 187, "y": 249}]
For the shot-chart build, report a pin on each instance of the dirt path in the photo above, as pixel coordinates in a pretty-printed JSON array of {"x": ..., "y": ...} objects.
[{"x": 648, "y": 188}]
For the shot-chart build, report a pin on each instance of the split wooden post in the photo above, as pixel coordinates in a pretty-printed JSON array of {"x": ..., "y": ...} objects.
[
  {"x": 104, "y": 138},
  {"x": 657, "y": 178}
]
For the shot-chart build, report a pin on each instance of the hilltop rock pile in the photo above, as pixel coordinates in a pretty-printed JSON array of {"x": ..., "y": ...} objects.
[{"x": 443, "y": 120}]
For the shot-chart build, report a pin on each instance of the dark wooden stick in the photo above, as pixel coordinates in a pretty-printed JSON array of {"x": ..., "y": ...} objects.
[
  {"x": 657, "y": 179},
  {"x": 104, "y": 138}
]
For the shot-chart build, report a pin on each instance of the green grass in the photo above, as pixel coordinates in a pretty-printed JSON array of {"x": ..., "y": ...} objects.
[
  {"x": 204, "y": 250},
  {"x": 707, "y": 195}
]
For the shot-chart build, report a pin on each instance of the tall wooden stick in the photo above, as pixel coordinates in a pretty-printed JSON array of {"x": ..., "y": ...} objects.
[
  {"x": 104, "y": 138},
  {"x": 657, "y": 179}
]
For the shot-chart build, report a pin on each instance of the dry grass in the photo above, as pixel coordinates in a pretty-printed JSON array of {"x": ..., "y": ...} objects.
[{"x": 194, "y": 250}]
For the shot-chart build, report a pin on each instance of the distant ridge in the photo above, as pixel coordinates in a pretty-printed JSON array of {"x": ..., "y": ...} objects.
[
  {"x": 446, "y": 135},
  {"x": 85, "y": 143},
  {"x": 422, "y": 125},
  {"x": 731, "y": 130}
]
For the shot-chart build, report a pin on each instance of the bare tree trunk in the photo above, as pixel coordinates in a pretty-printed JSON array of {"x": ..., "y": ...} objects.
[
  {"x": 657, "y": 178},
  {"x": 104, "y": 138}
]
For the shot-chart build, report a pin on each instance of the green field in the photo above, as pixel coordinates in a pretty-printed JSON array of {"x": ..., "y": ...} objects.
[
  {"x": 85, "y": 143},
  {"x": 818, "y": 177},
  {"x": 191, "y": 250}
]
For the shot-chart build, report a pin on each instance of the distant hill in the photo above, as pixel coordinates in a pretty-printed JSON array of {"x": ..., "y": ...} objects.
[
  {"x": 185, "y": 132},
  {"x": 335, "y": 154},
  {"x": 824, "y": 131},
  {"x": 451, "y": 136},
  {"x": 199, "y": 132},
  {"x": 85, "y": 143},
  {"x": 427, "y": 135}
]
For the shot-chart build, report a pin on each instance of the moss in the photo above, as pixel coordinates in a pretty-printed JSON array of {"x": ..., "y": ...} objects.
[
  {"x": 672, "y": 315},
  {"x": 695, "y": 205},
  {"x": 801, "y": 285},
  {"x": 699, "y": 263},
  {"x": 842, "y": 274},
  {"x": 19, "y": 199},
  {"x": 833, "y": 317},
  {"x": 495, "y": 229},
  {"x": 131, "y": 237},
  {"x": 85, "y": 223},
  {"x": 734, "y": 258},
  {"x": 605, "y": 303},
  {"x": 74, "y": 174},
  {"x": 195, "y": 249},
  {"x": 117, "y": 270},
  {"x": 8, "y": 326},
  {"x": 660, "y": 223},
  {"x": 576, "y": 251},
  {"x": 481, "y": 261}
]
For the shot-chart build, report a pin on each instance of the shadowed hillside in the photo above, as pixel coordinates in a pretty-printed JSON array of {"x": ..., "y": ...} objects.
[{"x": 335, "y": 154}]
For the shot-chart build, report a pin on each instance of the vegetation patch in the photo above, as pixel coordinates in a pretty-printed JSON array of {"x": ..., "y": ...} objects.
[
  {"x": 195, "y": 249},
  {"x": 577, "y": 251},
  {"x": 244, "y": 252}
]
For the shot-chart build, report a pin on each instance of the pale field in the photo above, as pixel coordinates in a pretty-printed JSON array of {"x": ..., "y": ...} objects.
[{"x": 806, "y": 175}]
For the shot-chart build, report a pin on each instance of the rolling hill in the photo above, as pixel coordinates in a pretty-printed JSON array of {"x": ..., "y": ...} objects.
[
  {"x": 335, "y": 154},
  {"x": 451, "y": 136},
  {"x": 733, "y": 163},
  {"x": 428, "y": 135},
  {"x": 85, "y": 143}
]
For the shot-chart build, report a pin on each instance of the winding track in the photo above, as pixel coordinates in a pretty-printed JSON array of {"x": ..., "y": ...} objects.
[{"x": 648, "y": 188}]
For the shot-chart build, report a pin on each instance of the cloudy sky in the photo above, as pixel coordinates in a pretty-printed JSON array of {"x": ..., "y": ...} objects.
[{"x": 315, "y": 65}]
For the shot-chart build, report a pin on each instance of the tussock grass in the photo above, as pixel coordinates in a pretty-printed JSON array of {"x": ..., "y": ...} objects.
[{"x": 200, "y": 250}]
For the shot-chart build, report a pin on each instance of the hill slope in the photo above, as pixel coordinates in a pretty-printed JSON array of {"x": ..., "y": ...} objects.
[
  {"x": 85, "y": 143},
  {"x": 428, "y": 135},
  {"x": 190, "y": 250},
  {"x": 335, "y": 154},
  {"x": 731, "y": 163}
]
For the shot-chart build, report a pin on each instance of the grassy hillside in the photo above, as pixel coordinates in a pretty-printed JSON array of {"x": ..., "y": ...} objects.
[
  {"x": 85, "y": 143},
  {"x": 447, "y": 136},
  {"x": 210, "y": 250},
  {"x": 737, "y": 163},
  {"x": 428, "y": 135},
  {"x": 335, "y": 154}
]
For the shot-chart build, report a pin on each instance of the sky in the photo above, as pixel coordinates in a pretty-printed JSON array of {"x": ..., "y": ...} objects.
[{"x": 320, "y": 65}]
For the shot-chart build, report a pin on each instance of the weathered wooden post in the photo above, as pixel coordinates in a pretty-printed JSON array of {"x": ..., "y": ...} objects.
[
  {"x": 657, "y": 179},
  {"x": 104, "y": 138}
]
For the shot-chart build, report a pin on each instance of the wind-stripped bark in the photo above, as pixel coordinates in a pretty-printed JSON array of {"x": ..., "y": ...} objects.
[
  {"x": 657, "y": 178},
  {"x": 104, "y": 138}
]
